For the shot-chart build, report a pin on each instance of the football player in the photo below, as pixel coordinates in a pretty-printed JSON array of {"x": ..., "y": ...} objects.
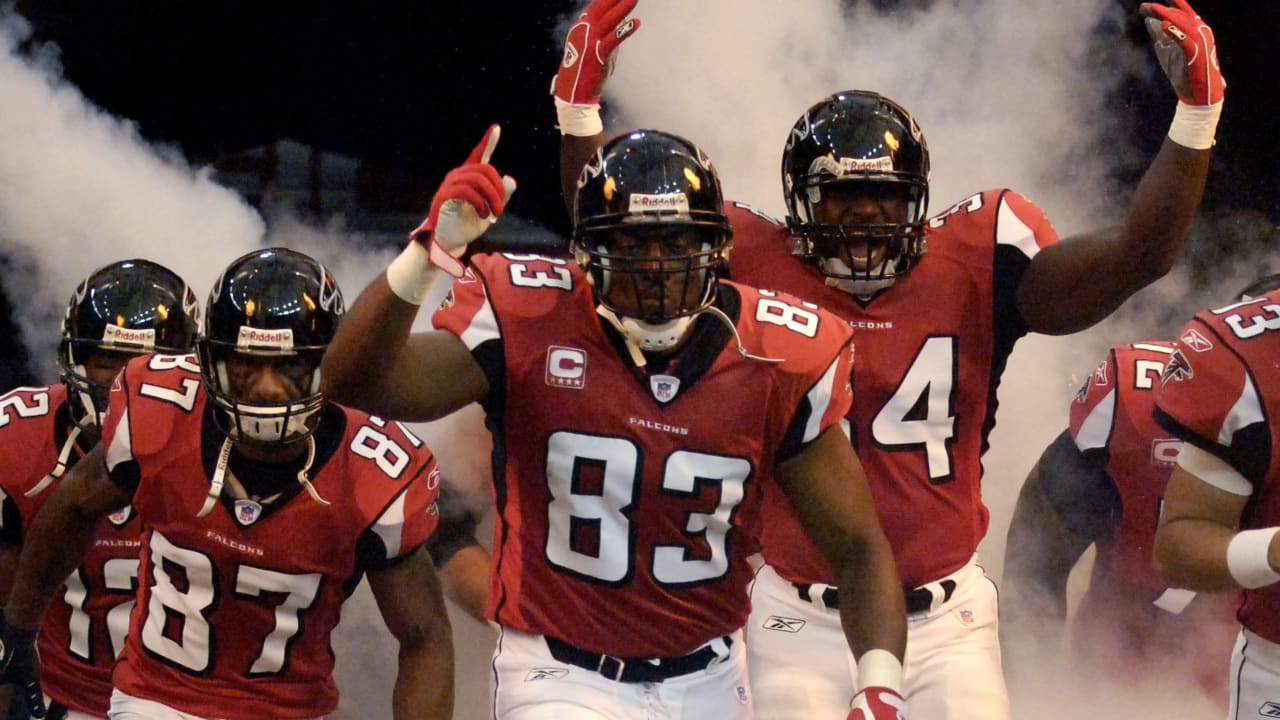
[
  {"x": 1220, "y": 392},
  {"x": 261, "y": 506},
  {"x": 640, "y": 407},
  {"x": 936, "y": 328},
  {"x": 1101, "y": 482},
  {"x": 125, "y": 309}
]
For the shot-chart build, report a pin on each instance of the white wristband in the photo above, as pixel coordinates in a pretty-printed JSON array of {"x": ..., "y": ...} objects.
[
  {"x": 879, "y": 668},
  {"x": 578, "y": 120},
  {"x": 1247, "y": 559},
  {"x": 1193, "y": 126},
  {"x": 414, "y": 279}
]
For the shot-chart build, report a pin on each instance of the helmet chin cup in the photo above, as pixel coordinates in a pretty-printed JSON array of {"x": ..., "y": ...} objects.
[
  {"x": 270, "y": 424},
  {"x": 656, "y": 338}
]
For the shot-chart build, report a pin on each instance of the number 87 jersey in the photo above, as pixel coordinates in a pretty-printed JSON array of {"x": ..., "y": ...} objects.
[
  {"x": 235, "y": 607},
  {"x": 628, "y": 499}
]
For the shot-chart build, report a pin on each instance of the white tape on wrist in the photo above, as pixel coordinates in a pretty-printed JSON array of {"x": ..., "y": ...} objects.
[
  {"x": 414, "y": 279},
  {"x": 879, "y": 668},
  {"x": 578, "y": 120},
  {"x": 1247, "y": 558},
  {"x": 1194, "y": 126}
]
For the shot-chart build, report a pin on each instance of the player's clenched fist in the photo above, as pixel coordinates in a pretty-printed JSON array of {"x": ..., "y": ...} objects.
[
  {"x": 597, "y": 33},
  {"x": 877, "y": 703},
  {"x": 469, "y": 200},
  {"x": 1185, "y": 47}
]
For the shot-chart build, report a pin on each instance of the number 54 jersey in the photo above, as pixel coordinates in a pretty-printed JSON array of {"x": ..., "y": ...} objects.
[
  {"x": 235, "y": 608},
  {"x": 628, "y": 500}
]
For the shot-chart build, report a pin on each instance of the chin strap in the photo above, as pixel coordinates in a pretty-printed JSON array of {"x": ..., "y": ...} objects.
[
  {"x": 637, "y": 356},
  {"x": 219, "y": 478},
  {"x": 633, "y": 348},
  {"x": 221, "y": 473},
  {"x": 717, "y": 312},
  {"x": 60, "y": 467},
  {"x": 303, "y": 479}
]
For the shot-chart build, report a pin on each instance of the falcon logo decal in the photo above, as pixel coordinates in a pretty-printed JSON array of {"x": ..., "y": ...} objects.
[{"x": 1177, "y": 370}]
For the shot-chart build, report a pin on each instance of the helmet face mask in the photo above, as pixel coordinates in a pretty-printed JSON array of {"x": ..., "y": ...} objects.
[
  {"x": 651, "y": 234},
  {"x": 856, "y": 179},
  {"x": 125, "y": 309},
  {"x": 270, "y": 316}
]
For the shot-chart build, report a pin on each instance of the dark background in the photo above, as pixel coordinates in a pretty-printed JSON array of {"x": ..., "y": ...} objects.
[{"x": 409, "y": 87}]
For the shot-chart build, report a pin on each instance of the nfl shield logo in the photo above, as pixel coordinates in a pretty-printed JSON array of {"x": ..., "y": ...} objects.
[
  {"x": 966, "y": 616},
  {"x": 247, "y": 512},
  {"x": 664, "y": 387}
]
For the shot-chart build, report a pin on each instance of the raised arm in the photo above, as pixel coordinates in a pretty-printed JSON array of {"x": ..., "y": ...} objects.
[
  {"x": 828, "y": 489},
  {"x": 589, "y": 51},
  {"x": 374, "y": 363},
  {"x": 1076, "y": 283}
]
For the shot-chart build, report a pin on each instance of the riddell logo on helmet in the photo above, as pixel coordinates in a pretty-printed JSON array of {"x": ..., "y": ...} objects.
[
  {"x": 664, "y": 202},
  {"x": 116, "y": 336},
  {"x": 251, "y": 338}
]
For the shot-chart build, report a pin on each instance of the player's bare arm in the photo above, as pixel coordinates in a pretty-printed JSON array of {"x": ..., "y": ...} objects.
[
  {"x": 590, "y": 49},
  {"x": 409, "y": 598},
  {"x": 1197, "y": 522},
  {"x": 60, "y": 536},
  {"x": 374, "y": 363},
  {"x": 1079, "y": 281},
  {"x": 826, "y": 485},
  {"x": 1041, "y": 550}
]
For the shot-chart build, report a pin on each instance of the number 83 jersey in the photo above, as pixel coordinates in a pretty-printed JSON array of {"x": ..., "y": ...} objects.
[
  {"x": 628, "y": 500},
  {"x": 235, "y": 608}
]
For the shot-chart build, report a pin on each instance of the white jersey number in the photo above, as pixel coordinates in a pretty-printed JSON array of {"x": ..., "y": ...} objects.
[
  {"x": 920, "y": 414},
  {"x": 595, "y": 485},
  {"x": 118, "y": 575},
  {"x": 193, "y": 599}
]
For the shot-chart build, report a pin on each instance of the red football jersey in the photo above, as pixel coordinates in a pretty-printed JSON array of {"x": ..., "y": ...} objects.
[
  {"x": 1221, "y": 391},
  {"x": 628, "y": 503},
  {"x": 84, "y": 627},
  {"x": 930, "y": 353},
  {"x": 1128, "y": 616},
  {"x": 235, "y": 608}
]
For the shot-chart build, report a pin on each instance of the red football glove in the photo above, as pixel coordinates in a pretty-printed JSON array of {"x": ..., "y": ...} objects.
[
  {"x": 471, "y": 198},
  {"x": 587, "y": 47},
  {"x": 1186, "y": 50},
  {"x": 877, "y": 703}
]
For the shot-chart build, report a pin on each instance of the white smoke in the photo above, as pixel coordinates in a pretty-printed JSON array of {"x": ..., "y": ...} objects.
[{"x": 80, "y": 189}]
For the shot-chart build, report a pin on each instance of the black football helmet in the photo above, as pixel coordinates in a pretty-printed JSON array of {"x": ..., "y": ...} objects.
[
  {"x": 1260, "y": 286},
  {"x": 865, "y": 143},
  {"x": 131, "y": 306},
  {"x": 647, "y": 184},
  {"x": 273, "y": 304}
]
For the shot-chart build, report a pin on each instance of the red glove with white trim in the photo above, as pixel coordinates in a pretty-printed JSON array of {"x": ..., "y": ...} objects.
[
  {"x": 877, "y": 703},
  {"x": 587, "y": 49},
  {"x": 1186, "y": 50},
  {"x": 469, "y": 200}
]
